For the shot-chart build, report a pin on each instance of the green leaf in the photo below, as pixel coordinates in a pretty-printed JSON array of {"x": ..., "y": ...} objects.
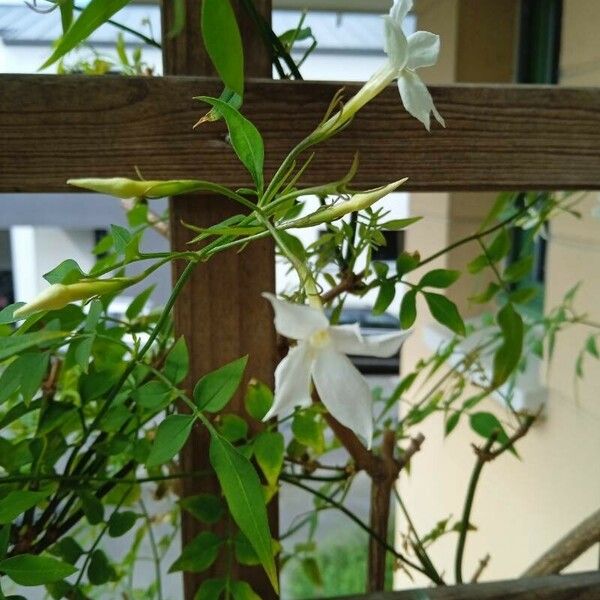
[
  {"x": 177, "y": 362},
  {"x": 138, "y": 303},
  {"x": 399, "y": 224},
  {"x": 308, "y": 431},
  {"x": 507, "y": 356},
  {"x": 121, "y": 238},
  {"x": 7, "y": 313},
  {"x": 68, "y": 549},
  {"x": 244, "y": 552},
  {"x": 82, "y": 351},
  {"x": 15, "y": 344},
  {"x": 66, "y": 273},
  {"x": 444, "y": 311},
  {"x": 408, "y": 309},
  {"x": 179, "y": 16},
  {"x": 485, "y": 424},
  {"x": 232, "y": 427},
  {"x": 92, "y": 508},
  {"x": 387, "y": 291},
  {"x": 258, "y": 399},
  {"x": 523, "y": 295},
  {"x": 500, "y": 246},
  {"x": 223, "y": 42},
  {"x": 120, "y": 523},
  {"x": 66, "y": 13},
  {"x": 210, "y": 589},
  {"x": 30, "y": 570},
  {"x": 207, "y": 508},
  {"x": 153, "y": 395},
  {"x": 490, "y": 291},
  {"x": 591, "y": 346},
  {"x": 242, "y": 590},
  {"x": 406, "y": 262},
  {"x": 199, "y": 554},
  {"x": 17, "y": 502},
  {"x": 171, "y": 435},
  {"x": 518, "y": 270},
  {"x": 54, "y": 415},
  {"x": 93, "y": 15},
  {"x": 439, "y": 278},
  {"x": 216, "y": 389},
  {"x": 452, "y": 422},
  {"x": 99, "y": 570},
  {"x": 245, "y": 498},
  {"x": 269, "y": 450},
  {"x": 245, "y": 138}
]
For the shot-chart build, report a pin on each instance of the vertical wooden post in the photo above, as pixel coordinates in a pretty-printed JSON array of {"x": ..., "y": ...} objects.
[{"x": 220, "y": 313}]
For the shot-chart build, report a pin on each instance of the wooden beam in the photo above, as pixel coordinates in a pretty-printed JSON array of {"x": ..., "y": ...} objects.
[
  {"x": 497, "y": 137},
  {"x": 220, "y": 312},
  {"x": 581, "y": 586}
]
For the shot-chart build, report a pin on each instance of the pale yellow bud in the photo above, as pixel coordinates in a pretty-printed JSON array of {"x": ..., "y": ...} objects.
[
  {"x": 124, "y": 188},
  {"x": 59, "y": 295},
  {"x": 358, "y": 201}
]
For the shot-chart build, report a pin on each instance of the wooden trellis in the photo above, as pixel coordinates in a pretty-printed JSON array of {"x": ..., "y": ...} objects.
[{"x": 497, "y": 138}]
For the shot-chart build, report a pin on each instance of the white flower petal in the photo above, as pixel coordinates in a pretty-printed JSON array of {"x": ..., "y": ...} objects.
[
  {"x": 400, "y": 9},
  {"x": 349, "y": 340},
  {"x": 296, "y": 321},
  {"x": 423, "y": 49},
  {"x": 344, "y": 392},
  {"x": 417, "y": 99},
  {"x": 396, "y": 44},
  {"x": 292, "y": 381}
]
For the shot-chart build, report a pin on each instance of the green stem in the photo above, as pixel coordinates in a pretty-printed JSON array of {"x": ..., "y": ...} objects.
[
  {"x": 99, "y": 479},
  {"x": 464, "y": 524},
  {"x": 154, "y": 548},
  {"x": 421, "y": 551}
]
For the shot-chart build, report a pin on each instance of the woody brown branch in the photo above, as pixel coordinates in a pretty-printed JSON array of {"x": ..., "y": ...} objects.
[{"x": 383, "y": 469}]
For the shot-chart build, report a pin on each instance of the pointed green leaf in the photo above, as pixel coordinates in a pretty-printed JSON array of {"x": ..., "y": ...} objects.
[
  {"x": 444, "y": 311},
  {"x": 245, "y": 498},
  {"x": 93, "y": 15},
  {"x": 245, "y": 138},
  {"x": 506, "y": 358},
  {"x": 223, "y": 42},
  {"x": 199, "y": 554},
  {"x": 269, "y": 449},
  {"x": 439, "y": 278},
  {"x": 17, "y": 502},
  {"x": 408, "y": 309},
  {"x": 171, "y": 435},
  {"x": 216, "y": 389},
  {"x": 30, "y": 570}
]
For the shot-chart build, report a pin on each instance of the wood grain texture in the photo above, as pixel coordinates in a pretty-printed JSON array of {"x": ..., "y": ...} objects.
[
  {"x": 220, "y": 312},
  {"x": 497, "y": 137},
  {"x": 582, "y": 586}
]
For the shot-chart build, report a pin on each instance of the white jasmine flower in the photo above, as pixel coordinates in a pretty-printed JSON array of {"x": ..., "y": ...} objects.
[
  {"x": 406, "y": 55},
  {"x": 320, "y": 357}
]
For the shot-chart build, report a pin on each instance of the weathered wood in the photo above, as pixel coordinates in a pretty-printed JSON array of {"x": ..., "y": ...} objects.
[
  {"x": 582, "y": 586},
  {"x": 220, "y": 312},
  {"x": 497, "y": 138}
]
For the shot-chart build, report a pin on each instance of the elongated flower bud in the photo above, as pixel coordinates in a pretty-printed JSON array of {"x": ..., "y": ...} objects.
[
  {"x": 59, "y": 295},
  {"x": 124, "y": 188},
  {"x": 358, "y": 201}
]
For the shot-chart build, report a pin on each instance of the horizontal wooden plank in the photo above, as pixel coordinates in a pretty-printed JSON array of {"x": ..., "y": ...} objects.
[
  {"x": 497, "y": 138},
  {"x": 581, "y": 586}
]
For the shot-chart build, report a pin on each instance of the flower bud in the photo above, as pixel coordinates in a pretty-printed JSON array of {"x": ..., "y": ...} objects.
[
  {"x": 124, "y": 188},
  {"x": 358, "y": 201},
  {"x": 58, "y": 295}
]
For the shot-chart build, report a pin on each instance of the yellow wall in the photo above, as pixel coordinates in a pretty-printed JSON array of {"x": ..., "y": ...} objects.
[{"x": 521, "y": 507}]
